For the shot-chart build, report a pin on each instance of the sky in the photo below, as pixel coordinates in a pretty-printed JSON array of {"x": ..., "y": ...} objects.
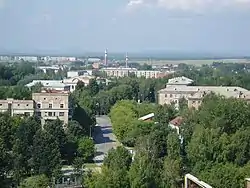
[{"x": 80, "y": 26}]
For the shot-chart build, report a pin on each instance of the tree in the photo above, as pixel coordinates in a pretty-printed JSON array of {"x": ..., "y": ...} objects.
[
  {"x": 22, "y": 149},
  {"x": 93, "y": 87},
  {"x": 86, "y": 148},
  {"x": 118, "y": 158},
  {"x": 5, "y": 163},
  {"x": 39, "y": 181},
  {"x": 114, "y": 170},
  {"x": 164, "y": 114},
  {"x": 55, "y": 129},
  {"x": 46, "y": 155}
]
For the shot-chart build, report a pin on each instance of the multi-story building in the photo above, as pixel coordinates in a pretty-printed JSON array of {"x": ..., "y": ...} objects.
[
  {"x": 148, "y": 73},
  {"x": 194, "y": 94},
  {"x": 17, "y": 107},
  {"x": 123, "y": 72},
  {"x": 118, "y": 72},
  {"x": 48, "y": 105}
]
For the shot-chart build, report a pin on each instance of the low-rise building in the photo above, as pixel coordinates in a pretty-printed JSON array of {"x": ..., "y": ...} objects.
[
  {"x": 47, "y": 105},
  {"x": 176, "y": 123},
  {"x": 76, "y": 73},
  {"x": 45, "y": 69},
  {"x": 180, "y": 81},
  {"x": 172, "y": 94},
  {"x": 193, "y": 182},
  {"x": 51, "y": 84},
  {"x": 148, "y": 117},
  {"x": 247, "y": 180},
  {"x": 72, "y": 82}
]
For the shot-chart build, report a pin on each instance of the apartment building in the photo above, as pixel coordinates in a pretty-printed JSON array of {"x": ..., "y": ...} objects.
[
  {"x": 194, "y": 94},
  {"x": 123, "y": 72},
  {"x": 118, "y": 72},
  {"x": 17, "y": 107},
  {"x": 48, "y": 105}
]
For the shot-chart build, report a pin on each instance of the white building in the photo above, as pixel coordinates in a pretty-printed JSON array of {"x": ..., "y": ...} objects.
[
  {"x": 55, "y": 69},
  {"x": 68, "y": 84},
  {"x": 180, "y": 81},
  {"x": 72, "y": 82},
  {"x": 28, "y": 58},
  {"x": 122, "y": 72},
  {"x": 148, "y": 73},
  {"x": 71, "y": 74},
  {"x": 50, "y": 84}
]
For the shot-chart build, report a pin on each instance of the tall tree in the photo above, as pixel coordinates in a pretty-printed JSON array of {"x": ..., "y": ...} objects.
[{"x": 46, "y": 154}]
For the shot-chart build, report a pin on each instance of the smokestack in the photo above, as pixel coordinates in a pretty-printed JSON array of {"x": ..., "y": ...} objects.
[
  {"x": 106, "y": 57},
  {"x": 126, "y": 60}
]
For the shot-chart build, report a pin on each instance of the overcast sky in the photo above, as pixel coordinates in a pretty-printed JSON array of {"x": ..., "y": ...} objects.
[{"x": 75, "y": 26}]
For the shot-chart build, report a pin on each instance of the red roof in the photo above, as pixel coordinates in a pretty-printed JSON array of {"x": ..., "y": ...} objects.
[{"x": 177, "y": 121}]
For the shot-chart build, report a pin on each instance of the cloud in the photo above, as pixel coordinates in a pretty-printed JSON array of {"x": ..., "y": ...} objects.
[{"x": 190, "y": 5}]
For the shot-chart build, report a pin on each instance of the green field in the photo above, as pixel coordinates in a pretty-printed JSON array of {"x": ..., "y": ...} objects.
[{"x": 193, "y": 62}]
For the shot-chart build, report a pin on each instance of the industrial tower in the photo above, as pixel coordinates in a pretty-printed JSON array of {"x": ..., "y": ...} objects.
[
  {"x": 126, "y": 60},
  {"x": 106, "y": 58}
]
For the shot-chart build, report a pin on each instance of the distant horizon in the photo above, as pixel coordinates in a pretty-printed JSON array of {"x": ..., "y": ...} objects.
[{"x": 138, "y": 55}]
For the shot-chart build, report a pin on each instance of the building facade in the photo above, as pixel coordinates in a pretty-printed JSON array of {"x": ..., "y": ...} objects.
[
  {"x": 123, "y": 72},
  {"x": 50, "y": 105},
  {"x": 71, "y": 74},
  {"x": 172, "y": 94},
  {"x": 17, "y": 107},
  {"x": 47, "y": 105}
]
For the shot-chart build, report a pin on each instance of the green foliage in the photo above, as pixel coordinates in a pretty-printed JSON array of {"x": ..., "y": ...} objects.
[
  {"x": 86, "y": 148},
  {"x": 114, "y": 171},
  {"x": 46, "y": 157},
  {"x": 40, "y": 181}
]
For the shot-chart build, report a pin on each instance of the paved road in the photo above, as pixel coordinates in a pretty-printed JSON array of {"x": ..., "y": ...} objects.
[{"x": 104, "y": 138}]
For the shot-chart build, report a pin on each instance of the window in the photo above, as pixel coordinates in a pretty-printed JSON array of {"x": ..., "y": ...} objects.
[
  {"x": 171, "y": 95},
  {"x": 38, "y": 114},
  {"x": 1, "y": 104},
  {"x": 54, "y": 114},
  {"x": 44, "y": 98},
  {"x": 50, "y": 105},
  {"x": 26, "y": 113},
  {"x": 61, "y": 105},
  {"x": 61, "y": 113},
  {"x": 18, "y": 104},
  {"x": 27, "y": 104},
  {"x": 38, "y": 105},
  {"x": 50, "y": 114}
]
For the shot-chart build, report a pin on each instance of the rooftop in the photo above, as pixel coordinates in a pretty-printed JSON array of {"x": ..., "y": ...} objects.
[
  {"x": 180, "y": 81},
  {"x": 148, "y": 116},
  {"x": 47, "y": 83},
  {"x": 228, "y": 91},
  {"x": 177, "y": 121}
]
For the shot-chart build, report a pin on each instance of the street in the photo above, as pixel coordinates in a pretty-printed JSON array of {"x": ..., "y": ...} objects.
[{"x": 104, "y": 138}]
